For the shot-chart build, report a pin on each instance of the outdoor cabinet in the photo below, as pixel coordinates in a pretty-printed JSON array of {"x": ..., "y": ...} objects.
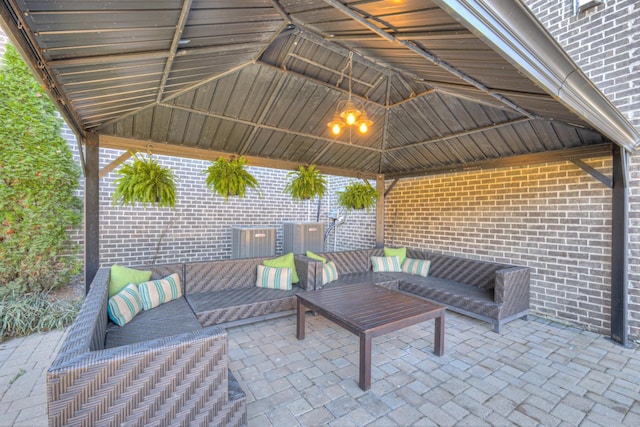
[
  {"x": 299, "y": 237},
  {"x": 253, "y": 242}
]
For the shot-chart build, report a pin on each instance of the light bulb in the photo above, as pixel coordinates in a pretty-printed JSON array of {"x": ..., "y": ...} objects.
[
  {"x": 336, "y": 129},
  {"x": 363, "y": 128},
  {"x": 351, "y": 119}
]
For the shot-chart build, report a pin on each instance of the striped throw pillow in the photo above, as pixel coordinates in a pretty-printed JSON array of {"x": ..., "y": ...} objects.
[
  {"x": 389, "y": 264},
  {"x": 274, "y": 278},
  {"x": 329, "y": 272},
  {"x": 157, "y": 292},
  {"x": 124, "y": 305},
  {"x": 419, "y": 267}
]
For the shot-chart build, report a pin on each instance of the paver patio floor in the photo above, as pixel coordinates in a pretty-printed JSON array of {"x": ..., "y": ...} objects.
[{"x": 535, "y": 373}]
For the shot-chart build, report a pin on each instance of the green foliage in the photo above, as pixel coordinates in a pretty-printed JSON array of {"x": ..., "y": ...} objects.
[
  {"x": 25, "y": 314},
  {"x": 229, "y": 177},
  {"x": 38, "y": 178},
  {"x": 358, "y": 195},
  {"x": 306, "y": 183},
  {"x": 145, "y": 181}
]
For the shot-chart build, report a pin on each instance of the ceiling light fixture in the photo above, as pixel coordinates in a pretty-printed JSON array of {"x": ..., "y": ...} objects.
[{"x": 349, "y": 112}]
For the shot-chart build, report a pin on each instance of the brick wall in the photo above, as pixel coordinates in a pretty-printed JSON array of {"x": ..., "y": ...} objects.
[
  {"x": 200, "y": 226},
  {"x": 553, "y": 218},
  {"x": 604, "y": 41}
]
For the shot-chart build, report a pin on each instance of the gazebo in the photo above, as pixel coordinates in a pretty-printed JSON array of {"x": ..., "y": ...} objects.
[{"x": 442, "y": 85}]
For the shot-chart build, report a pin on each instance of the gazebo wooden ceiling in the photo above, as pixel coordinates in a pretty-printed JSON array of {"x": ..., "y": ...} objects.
[{"x": 450, "y": 85}]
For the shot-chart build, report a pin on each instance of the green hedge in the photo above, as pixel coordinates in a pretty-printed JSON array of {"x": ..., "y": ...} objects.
[{"x": 38, "y": 178}]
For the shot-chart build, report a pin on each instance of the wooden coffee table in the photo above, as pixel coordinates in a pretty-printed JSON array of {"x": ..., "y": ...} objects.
[{"x": 370, "y": 311}]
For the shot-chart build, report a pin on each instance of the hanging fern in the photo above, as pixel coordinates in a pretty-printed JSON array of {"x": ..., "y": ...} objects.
[
  {"x": 145, "y": 181},
  {"x": 230, "y": 178},
  {"x": 306, "y": 183},
  {"x": 358, "y": 195}
]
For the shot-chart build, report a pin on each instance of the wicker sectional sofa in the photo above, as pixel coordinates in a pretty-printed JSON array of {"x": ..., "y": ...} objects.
[
  {"x": 496, "y": 293},
  {"x": 169, "y": 365}
]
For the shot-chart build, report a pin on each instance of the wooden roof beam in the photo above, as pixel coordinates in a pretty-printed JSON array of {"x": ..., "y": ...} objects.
[{"x": 162, "y": 149}]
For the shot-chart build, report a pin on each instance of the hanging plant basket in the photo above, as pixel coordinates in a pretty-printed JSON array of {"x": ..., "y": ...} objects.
[
  {"x": 305, "y": 183},
  {"x": 145, "y": 181},
  {"x": 229, "y": 178},
  {"x": 358, "y": 196}
]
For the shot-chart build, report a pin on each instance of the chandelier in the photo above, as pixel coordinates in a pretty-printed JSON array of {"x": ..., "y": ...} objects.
[{"x": 349, "y": 112}]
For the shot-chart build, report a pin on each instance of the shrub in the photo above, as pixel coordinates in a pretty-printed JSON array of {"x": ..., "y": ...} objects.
[
  {"x": 38, "y": 312},
  {"x": 38, "y": 178}
]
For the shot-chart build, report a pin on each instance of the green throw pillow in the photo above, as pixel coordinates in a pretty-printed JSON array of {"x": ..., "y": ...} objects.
[
  {"x": 284, "y": 261},
  {"x": 122, "y": 276},
  {"x": 401, "y": 253},
  {"x": 316, "y": 257}
]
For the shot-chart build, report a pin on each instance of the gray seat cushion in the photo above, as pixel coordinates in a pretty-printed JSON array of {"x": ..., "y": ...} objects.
[
  {"x": 453, "y": 294},
  {"x": 362, "y": 277},
  {"x": 233, "y": 305},
  {"x": 172, "y": 318}
]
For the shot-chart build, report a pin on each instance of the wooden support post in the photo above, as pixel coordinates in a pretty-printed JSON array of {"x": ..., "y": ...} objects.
[
  {"x": 380, "y": 212},
  {"x": 91, "y": 210},
  {"x": 619, "y": 247}
]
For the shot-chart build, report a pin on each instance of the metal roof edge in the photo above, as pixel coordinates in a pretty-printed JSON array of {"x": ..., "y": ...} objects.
[{"x": 514, "y": 32}]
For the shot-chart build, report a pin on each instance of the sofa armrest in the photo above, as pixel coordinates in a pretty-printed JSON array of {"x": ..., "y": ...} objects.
[
  {"x": 134, "y": 383},
  {"x": 307, "y": 269},
  {"x": 512, "y": 288}
]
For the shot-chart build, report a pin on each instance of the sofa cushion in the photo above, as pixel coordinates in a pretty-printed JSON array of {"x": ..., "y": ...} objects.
[
  {"x": 418, "y": 267},
  {"x": 385, "y": 263},
  {"x": 124, "y": 305},
  {"x": 172, "y": 318},
  {"x": 273, "y": 278},
  {"x": 284, "y": 261},
  {"x": 227, "y": 305},
  {"x": 401, "y": 253},
  {"x": 363, "y": 277},
  {"x": 158, "y": 292},
  {"x": 122, "y": 276},
  {"x": 453, "y": 294},
  {"x": 329, "y": 273}
]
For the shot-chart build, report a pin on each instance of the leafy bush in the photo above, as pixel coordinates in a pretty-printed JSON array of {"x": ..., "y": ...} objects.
[
  {"x": 25, "y": 314},
  {"x": 38, "y": 178}
]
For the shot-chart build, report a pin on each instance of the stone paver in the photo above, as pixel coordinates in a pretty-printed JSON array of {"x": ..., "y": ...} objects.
[{"x": 535, "y": 373}]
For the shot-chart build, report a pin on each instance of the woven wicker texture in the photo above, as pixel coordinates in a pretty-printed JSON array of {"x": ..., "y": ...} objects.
[
  {"x": 471, "y": 272},
  {"x": 379, "y": 279},
  {"x": 308, "y": 280},
  {"x": 512, "y": 291},
  {"x": 176, "y": 380},
  {"x": 235, "y": 304},
  {"x": 218, "y": 275},
  {"x": 349, "y": 261}
]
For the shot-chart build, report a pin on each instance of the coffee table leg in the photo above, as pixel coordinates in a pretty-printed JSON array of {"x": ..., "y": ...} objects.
[
  {"x": 439, "y": 336},
  {"x": 365, "y": 362},
  {"x": 300, "y": 321}
]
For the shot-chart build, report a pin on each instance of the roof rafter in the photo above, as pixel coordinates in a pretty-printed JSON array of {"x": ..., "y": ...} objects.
[
  {"x": 461, "y": 134},
  {"x": 267, "y": 127},
  {"x": 427, "y": 55}
]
